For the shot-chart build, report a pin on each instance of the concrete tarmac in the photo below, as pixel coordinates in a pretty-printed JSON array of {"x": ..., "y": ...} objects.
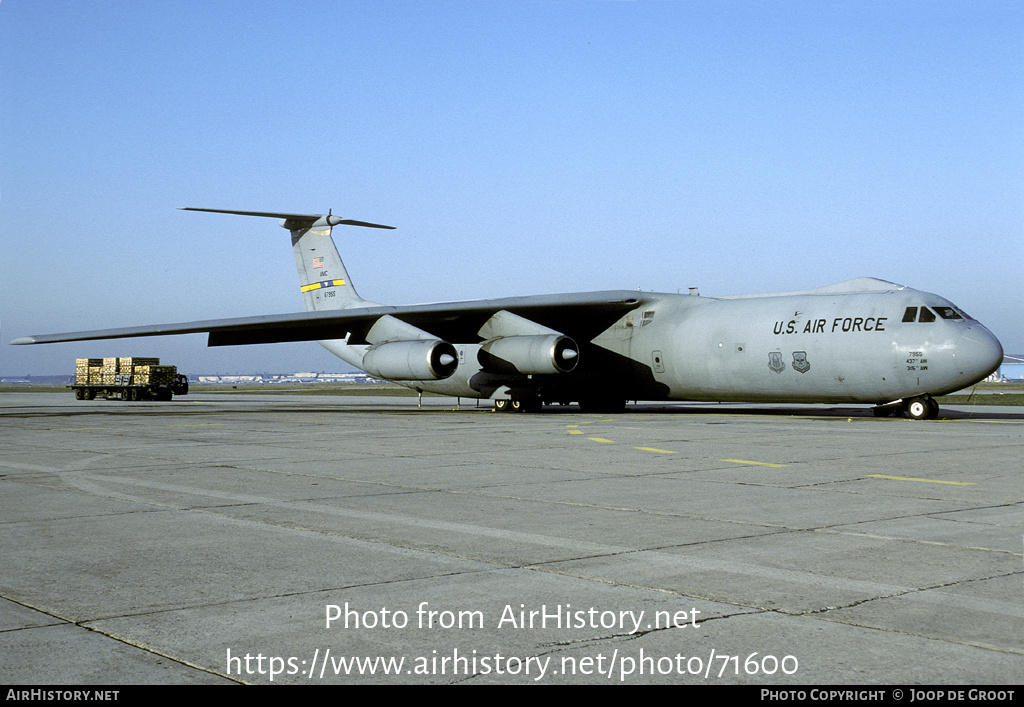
[{"x": 248, "y": 538}]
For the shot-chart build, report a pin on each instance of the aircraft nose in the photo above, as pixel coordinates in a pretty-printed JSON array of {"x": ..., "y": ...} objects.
[{"x": 978, "y": 353}]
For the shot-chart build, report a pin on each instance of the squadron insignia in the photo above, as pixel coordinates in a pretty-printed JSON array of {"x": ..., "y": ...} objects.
[
  {"x": 800, "y": 362},
  {"x": 775, "y": 361}
]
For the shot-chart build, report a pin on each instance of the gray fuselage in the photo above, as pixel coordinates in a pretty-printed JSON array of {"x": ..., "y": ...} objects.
[{"x": 844, "y": 343}]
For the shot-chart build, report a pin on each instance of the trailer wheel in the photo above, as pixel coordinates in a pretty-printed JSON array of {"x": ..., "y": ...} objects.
[{"x": 79, "y": 394}]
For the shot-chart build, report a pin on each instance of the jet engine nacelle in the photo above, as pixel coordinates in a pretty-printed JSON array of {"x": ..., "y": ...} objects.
[
  {"x": 528, "y": 355},
  {"x": 420, "y": 360}
]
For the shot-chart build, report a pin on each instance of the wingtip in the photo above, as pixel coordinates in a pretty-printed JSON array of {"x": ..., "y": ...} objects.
[{"x": 21, "y": 340}]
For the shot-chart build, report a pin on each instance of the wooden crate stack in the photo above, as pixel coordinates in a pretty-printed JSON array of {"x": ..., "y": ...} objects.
[
  {"x": 111, "y": 371},
  {"x": 88, "y": 371},
  {"x": 154, "y": 374}
]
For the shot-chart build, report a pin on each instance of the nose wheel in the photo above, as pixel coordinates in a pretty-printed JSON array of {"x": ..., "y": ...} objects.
[{"x": 924, "y": 408}]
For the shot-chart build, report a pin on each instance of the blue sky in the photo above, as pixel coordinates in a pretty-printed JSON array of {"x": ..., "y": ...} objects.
[{"x": 519, "y": 147}]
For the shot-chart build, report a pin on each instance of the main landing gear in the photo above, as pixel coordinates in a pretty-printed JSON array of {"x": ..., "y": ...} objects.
[
  {"x": 530, "y": 404},
  {"x": 922, "y": 408},
  {"x": 602, "y": 404}
]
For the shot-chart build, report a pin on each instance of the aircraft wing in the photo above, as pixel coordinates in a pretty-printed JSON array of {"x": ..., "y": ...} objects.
[{"x": 580, "y": 315}]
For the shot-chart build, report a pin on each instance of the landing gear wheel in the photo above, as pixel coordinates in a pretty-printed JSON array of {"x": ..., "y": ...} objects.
[
  {"x": 502, "y": 405},
  {"x": 916, "y": 409},
  {"x": 921, "y": 409},
  {"x": 526, "y": 405}
]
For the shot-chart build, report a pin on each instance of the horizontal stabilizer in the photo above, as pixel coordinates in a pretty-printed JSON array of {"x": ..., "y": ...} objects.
[{"x": 305, "y": 219}]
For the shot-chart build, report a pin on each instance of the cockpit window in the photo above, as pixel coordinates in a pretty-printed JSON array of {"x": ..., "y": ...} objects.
[
  {"x": 912, "y": 314},
  {"x": 948, "y": 313}
]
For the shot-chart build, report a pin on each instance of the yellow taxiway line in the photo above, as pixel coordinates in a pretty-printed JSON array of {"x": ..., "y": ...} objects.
[{"x": 927, "y": 481}]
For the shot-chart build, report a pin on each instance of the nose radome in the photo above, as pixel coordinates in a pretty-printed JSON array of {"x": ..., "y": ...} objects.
[{"x": 978, "y": 353}]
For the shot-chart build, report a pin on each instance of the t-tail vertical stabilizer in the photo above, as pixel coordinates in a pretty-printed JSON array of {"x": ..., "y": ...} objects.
[{"x": 323, "y": 278}]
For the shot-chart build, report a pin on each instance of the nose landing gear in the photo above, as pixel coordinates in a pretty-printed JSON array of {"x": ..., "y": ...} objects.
[
  {"x": 920, "y": 408},
  {"x": 923, "y": 408}
]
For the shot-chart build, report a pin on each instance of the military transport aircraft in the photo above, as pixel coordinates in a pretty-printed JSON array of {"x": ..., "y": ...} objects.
[{"x": 860, "y": 341}]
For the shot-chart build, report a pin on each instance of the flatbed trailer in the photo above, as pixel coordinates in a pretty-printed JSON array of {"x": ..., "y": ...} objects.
[
  {"x": 125, "y": 390},
  {"x": 127, "y": 379}
]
